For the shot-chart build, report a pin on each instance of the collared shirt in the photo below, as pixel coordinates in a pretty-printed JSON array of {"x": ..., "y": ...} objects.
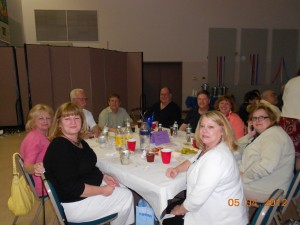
[{"x": 112, "y": 119}]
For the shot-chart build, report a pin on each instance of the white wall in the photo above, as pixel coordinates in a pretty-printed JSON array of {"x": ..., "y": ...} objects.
[{"x": 171, "y": 30}]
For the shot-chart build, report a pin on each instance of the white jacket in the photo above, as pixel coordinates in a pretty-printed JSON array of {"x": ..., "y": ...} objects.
[{"x": 213, "y": 181}]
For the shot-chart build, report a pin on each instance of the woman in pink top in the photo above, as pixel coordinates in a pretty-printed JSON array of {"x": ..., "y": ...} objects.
[
  {"x": 35, "y": 144},
  {"x": 226, "y": 106}
]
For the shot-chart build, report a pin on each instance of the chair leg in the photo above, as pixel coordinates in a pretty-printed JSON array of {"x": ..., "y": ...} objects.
[
  {"x": 277, "y": 218},
  {"x": 55, "y": 221},
  {"x": 296, "y": 206},
  {"x": 37, "y": 214},
  {"x": 15, "y": 220}
]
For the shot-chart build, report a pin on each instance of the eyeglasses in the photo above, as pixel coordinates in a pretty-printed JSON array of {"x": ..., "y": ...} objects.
[
  {"x": 259, "y": 118},
  {"x": 82, "y": 99}
]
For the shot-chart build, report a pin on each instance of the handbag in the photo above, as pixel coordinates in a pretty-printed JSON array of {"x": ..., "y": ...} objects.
[
  {"x": 21, "y": 199},
  {"x": 145, "y": 214}
]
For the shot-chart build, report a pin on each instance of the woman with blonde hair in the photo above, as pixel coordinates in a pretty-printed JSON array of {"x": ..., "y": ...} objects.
[
  {"x": 35, "y": 144},
  {"x": 213, "y": 178},
  {"x": 85, "y": 192}
]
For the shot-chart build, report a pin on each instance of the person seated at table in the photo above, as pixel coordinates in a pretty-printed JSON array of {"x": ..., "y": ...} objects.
[
  {"x": 193, "y": 116},
  {"x": 213, "y": 178},
  {"x": 290, "y": 117},
  {"x": 78, "y": 97},
  {"x": 269, "y": 98},
  {"x": 250, "y": 98},
  {"x": 113, "y": 115},
  {"x": 35, "y": 143},
  {"x": 166, "y": 111},
  {"x": 225, "y": 105},
  {"x": 85, "y": 192},
  {"x": 268, "y": 155}
]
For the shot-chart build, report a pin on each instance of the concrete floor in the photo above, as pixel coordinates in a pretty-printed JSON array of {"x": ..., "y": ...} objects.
[{"x": 10, "y": 144}]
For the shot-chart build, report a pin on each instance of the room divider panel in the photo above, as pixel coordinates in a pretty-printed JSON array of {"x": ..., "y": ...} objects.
[{"x": 48, "y": 73}]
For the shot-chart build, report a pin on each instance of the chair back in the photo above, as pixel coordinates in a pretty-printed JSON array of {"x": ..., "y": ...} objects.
[
  {"x": 28, "y": 177},
  {"x": 293, "y": 192},
  {"x": 58, "y": 209},
  {"x": 265, "y": 213}
]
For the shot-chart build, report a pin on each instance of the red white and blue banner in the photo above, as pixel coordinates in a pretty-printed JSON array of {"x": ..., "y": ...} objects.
[
  {"x": 254, "y": 68},
  {"x": 220, "y": 70},
  {"x": 281, "y": 71},
  {"x": 4, "y": 29}
]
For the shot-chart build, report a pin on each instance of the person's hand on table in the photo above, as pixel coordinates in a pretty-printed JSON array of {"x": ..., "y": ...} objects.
[
  {"x": 111, "y": 181},
  {"x": 178, "y": 210},
  {"x": 171, "y": 172}
]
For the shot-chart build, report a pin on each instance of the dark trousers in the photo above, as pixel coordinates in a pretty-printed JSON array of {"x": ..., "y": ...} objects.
[{"x": 177, "y": 220}]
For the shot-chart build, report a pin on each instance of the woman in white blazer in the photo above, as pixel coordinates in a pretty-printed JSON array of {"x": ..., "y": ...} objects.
[{"x": 214, "y": 187}]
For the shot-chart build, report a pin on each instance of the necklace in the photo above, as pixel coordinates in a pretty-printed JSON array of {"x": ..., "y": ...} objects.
[{"x": 76, "y": 143}]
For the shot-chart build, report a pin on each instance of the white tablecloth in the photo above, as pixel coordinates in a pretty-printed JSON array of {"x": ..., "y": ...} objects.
[{"x": 147, "y": 179}]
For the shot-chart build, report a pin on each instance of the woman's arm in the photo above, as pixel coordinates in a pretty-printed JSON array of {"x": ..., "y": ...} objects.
[
  {"x": 90, "y": 190},
  {"x": 173, "y": 172}
]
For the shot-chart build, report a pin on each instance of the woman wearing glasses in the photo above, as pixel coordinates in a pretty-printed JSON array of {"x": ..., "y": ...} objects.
[{"x": 268, "y": 157}]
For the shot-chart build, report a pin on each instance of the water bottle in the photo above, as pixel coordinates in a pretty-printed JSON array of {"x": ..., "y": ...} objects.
[
  {"x": 175, "y": 129},
  {"x": 127, "y": 131},
  {"x": 144, "y": 136},
  {"x": 119, "y": 139},
  {"x": 159, "y": 127},
  {"x": 102, "y": 139},
  {"x": 188, "y": 132}
]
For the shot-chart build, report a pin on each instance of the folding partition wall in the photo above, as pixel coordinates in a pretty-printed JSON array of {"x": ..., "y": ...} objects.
[{"x": 48, "y": 73}]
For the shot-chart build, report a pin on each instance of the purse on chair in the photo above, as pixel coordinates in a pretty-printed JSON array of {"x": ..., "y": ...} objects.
[{"x": 21, "y": 199}]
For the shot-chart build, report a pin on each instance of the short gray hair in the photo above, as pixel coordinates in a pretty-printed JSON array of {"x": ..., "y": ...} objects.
[{"x": 74, "y": 92}]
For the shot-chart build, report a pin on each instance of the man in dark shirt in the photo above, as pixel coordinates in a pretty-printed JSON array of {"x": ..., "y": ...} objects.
[
  {"x": 166, "y": 111},
  {"x": 193, "y": 116}
]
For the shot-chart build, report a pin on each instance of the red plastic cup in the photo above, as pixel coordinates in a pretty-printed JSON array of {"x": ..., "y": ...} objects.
[
  {"x": 194, "y": 143},
  {"x": 166, "y": 155},
  {"x": 153, "y": 126},
  {"x": 131, "y": 143}
]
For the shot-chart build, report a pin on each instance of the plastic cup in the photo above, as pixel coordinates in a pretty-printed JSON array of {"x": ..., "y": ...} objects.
[
  {"x": 166, "y": 155},
  {"x": 194, "y": 143},
  {"x": 124, "y": 157},
  {"x": 153, "y": 126},
  {"x": 150, "y": 156},
  {"x": 131, "y": 143}
]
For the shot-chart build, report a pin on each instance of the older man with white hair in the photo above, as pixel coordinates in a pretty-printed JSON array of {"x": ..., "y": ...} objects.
[{"x": 78, "y": 97}]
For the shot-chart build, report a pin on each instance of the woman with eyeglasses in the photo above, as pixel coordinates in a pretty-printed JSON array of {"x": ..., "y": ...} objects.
[{"x": 268, "y": 155}]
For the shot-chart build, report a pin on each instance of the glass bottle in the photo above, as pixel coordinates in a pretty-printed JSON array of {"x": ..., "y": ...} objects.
[
  {"x": 188, "y": 132},
  {"x": 159, "y": 127},
  {"x": 175, "y": 129},
  {"x": 119, "y": 138}
]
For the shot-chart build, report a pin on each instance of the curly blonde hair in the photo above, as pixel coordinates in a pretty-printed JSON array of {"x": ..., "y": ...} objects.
[{"x": 34, "y": 113}]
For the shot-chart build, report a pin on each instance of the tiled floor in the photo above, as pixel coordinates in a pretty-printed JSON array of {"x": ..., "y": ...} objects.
[{"x": 10, "y": 144}]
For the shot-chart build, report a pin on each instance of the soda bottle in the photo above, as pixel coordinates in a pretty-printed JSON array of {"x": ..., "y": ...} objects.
[{"x": 128, "y": 131}]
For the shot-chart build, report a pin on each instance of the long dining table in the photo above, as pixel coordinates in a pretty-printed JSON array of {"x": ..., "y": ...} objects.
[{"x": 146, "y": 179}]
